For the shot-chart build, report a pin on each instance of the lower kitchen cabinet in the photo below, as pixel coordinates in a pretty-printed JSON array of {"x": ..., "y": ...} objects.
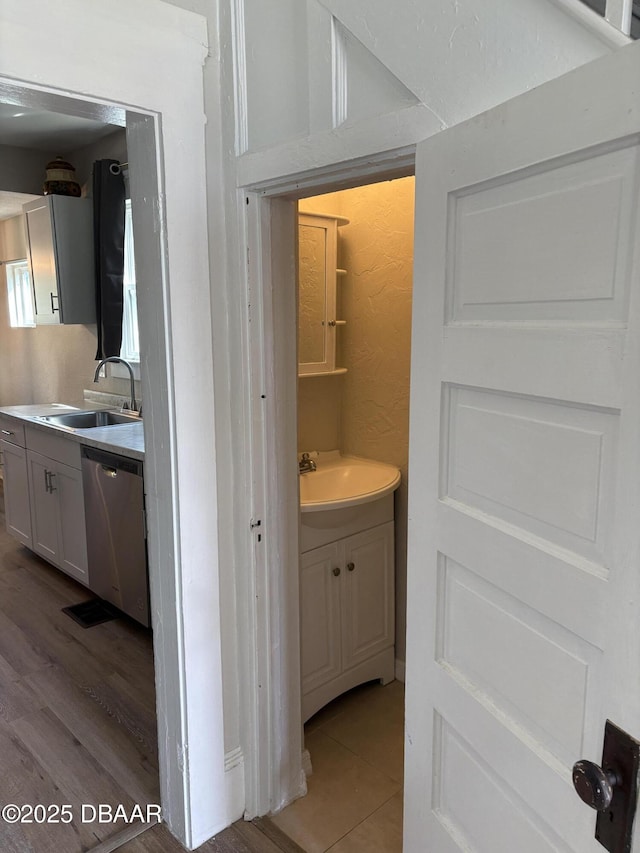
[
  {"x": 16, "y": 492},
  {"x": 57, "y": 514},
  {"x": 346, "y": 615}
]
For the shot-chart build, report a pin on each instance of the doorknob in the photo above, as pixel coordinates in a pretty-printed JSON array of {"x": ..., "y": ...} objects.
[
  {"x": 611, "y": 788},
  {"x": 594, "y": 785}
]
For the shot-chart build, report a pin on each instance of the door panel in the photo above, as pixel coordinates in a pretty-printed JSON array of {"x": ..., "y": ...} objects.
[
  {"x": 320, "y": 616},
  {"x": 16, "y": 492},
  {"x": 524, "y": 494},
  {"x": 44, "y": 508},
  {"x": 368, "y": 609},
  {"x": 73, "y": 537}
]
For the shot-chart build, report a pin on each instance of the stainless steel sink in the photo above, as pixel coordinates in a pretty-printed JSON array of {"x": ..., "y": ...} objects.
[{"x": 89, "y": 420}]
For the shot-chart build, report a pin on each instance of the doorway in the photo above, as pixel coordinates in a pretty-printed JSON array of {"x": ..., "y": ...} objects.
[
  {"x": 361, "y": 412},
  {"x": 172, "y": 204}
]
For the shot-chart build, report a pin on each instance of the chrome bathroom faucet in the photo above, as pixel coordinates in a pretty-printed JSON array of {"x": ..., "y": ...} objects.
[{"x": 306, "y": 464}]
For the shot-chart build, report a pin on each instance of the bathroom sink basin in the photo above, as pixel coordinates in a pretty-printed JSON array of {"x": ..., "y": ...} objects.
[
  {"x": 89, "y": 420},
  {"x": 345, "y": 481}
]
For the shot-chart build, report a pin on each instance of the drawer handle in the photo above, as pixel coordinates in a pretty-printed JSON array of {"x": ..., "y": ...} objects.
[
  {"x": 7, "y": 432},
  {"x": 54, "y": 308},
  {"x": 351, "y": 566},
  {"x": 52, "y": 488},
  {"x": 336, "y": 571}
]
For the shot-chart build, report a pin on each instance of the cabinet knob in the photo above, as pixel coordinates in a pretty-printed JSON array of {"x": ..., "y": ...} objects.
[
  {"x": 351, "y": 566},
  {"x": 336, "y": 571}
]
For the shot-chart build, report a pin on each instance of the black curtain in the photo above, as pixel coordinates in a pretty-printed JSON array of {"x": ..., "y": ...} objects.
[{"x": 108, "y": 233}]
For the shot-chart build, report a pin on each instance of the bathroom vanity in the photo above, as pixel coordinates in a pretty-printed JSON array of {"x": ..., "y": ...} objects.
[{"x": 347, "y": 579}]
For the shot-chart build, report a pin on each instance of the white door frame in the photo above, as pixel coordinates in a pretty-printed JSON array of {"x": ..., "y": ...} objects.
[
  {"x": 108, "y": 70},
  {"x": 273, "y": 757}
]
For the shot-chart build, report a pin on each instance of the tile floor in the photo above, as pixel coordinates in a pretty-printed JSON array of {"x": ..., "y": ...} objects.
[{"x": 354, "y": 800}]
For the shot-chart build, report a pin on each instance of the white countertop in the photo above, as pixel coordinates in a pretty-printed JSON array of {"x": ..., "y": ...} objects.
[{"x": 125, "y": 439}]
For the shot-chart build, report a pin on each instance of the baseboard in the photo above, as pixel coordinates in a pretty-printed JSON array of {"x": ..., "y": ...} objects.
[
  {"x": 234, "y": 778},
  {"x": 400, "y": 668},
  {"x": 234, "y": 797}
]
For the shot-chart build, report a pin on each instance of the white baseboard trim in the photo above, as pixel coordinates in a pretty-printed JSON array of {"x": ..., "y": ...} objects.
[
  {"x": 234, "y": 778},
  {"x": 400, "y": 668}
]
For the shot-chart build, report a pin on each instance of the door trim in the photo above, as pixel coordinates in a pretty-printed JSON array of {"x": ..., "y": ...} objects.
[
  {"x": 274, "y": 766},
  {"x": 179, "y": 401}
]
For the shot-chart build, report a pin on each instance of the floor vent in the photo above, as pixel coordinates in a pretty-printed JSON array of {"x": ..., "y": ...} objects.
[{"x": 90, "y": 613}]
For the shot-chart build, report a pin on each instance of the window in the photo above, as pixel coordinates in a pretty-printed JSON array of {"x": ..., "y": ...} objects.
[
  {"x": 20, "y": 293},
  {"x": 130, "y": 349}
]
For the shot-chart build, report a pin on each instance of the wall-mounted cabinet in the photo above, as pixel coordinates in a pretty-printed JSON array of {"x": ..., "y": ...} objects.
[
  {"x": 60, "y": 254},
  {"x": 318, "y": 276}
]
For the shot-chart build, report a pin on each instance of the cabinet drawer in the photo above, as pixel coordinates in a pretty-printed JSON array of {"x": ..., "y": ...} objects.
[
  {"x": 53, "y": 445},
  {"x": 12, "y": 429}
]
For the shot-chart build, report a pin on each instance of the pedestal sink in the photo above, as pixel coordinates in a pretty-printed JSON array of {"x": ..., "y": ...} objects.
[{"x": 345, "y": 481}]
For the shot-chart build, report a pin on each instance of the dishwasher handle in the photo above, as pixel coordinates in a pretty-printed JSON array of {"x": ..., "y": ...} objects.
[{"x": 111, "y": 462}]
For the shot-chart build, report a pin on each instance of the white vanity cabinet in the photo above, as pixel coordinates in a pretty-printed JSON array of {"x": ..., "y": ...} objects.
[
  {"x": 60, "y": 255},
  {"x": 16, "y": 483},
  {"x": 347, "y": 604},
  {"x": 57, "y": 503}
]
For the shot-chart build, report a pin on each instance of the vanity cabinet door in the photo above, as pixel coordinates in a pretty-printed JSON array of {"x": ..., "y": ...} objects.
[
  {"x": 368, "y": 595},
  {"x": 320, "y": 616},
  {"x": 44, "y": 507},
  {"x": 16, "y": 492}
]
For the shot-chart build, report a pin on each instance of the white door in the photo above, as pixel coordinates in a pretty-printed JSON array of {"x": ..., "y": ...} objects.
[
  {"x": 44, "y": 507},
  {"x": 16, "y": 492},
  {"x": 368, "y": 614},
  {"x": 524, "y": 504}
]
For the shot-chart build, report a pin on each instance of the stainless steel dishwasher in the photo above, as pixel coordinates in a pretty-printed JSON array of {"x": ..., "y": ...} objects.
[{"x": 116, "y": 535}]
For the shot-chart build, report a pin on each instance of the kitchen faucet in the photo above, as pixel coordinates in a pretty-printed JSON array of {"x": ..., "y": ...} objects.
[{"x": 119, "y": 360}]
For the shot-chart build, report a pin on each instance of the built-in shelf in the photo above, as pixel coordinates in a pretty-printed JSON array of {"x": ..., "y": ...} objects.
[
  {"x": 341, "y": 220},
  {"x": 337, "y": 372}
]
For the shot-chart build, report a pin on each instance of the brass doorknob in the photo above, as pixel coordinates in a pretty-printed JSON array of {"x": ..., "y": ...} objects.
[{"x": 594, "y": 785}]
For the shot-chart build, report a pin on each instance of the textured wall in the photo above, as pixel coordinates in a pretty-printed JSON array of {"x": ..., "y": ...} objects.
[{"x": 371, "y": 400}]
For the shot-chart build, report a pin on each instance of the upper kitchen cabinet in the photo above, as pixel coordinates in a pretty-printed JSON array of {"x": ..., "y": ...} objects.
[{"x": 60, "y": 244}]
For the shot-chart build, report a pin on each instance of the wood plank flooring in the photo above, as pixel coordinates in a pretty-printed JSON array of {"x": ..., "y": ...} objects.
[{"x": 77, "y": 718}]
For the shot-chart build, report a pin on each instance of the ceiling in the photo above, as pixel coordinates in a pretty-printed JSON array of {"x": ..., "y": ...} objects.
[
  {"x": 25, "y": 127},
  {"x": 11, "y": 203},
  {"x": 55, "y": 133}
]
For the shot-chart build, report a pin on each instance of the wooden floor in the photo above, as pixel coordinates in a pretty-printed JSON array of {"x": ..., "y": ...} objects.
[{"x": 77, "y": 718}]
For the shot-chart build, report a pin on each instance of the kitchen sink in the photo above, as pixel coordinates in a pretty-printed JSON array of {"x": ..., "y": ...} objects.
[{"x": 89, "y": 420}]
